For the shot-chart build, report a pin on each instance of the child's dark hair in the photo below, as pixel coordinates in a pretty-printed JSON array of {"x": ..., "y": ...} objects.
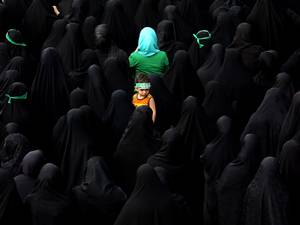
[{"x": 142, "y": 78}]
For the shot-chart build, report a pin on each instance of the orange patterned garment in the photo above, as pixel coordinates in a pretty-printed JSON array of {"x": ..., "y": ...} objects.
[{"x": 138, "y": 102}]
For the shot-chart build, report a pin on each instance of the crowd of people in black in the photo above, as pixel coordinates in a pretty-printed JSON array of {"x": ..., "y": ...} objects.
[{"x": 223, "y": 148}]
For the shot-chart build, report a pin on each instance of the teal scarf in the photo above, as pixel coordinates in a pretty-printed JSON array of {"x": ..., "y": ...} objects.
[{"x": 147, "y": 44}]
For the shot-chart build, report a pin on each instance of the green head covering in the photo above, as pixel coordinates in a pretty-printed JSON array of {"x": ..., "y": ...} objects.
[{"x": 147, "y": 44}]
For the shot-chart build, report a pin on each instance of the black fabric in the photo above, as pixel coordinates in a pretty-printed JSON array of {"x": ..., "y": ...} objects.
[
  {"x": 56, "y": 34},
  {"x": 183, "y": 31},
  {"x": 291, "y": 66},
  {"x": 199, "y": 55},
  {"x": 243, "y": 40},
  {"x": 37, "y": 30},
  {"x": 77, "y": 77},
  {"x": 192, "y": 126},
  {"x": 88, "y": 29},
  {"x": 232, "y": 184},
  {"x": 78, "y": 97},
  {"x": 267, "y": 120},
  {"x": 49, "y": 96},
  {"x": 14, "y": 148},
  {"x": 96, "y": 89},
  {"x": 150, "y": 202},
  {"x": 31, "y": 165},
  {"x": 269, "y": 21},
  {"x": 4, "y": 55},
  {"x": 116, "y": 72},
  {"x": 266, "y": 76},
  {"x": 47, "y": 204},
  {"x": 194, "y": 13},
  {"x": 167, "y": 40},
  {"x": 224, "y": 29},
  {"x": 18, "y": 110},
  {"x": 106, "y": 46},
  {"x": 266, "y": 199},
  {"x": 216, "y": 155},
  {"x": 290, "y": 125},
  {"x": 147, "y": 14},
  {"x": 12, "y": 210},
  {"x": 75, "y": 139},
  {"x": 70, "y": 46},
  {"x": 121, "y": 28},
  {"x": 18, "y": 63},
  {"x": 212, "y": 64},
  {"x": 217, "y": 102},
  {"x": 136, "y": 145},
  {"x": 98, "y": 198},
  {"x": 117, "y": 116},
  {"x": 167, "y": 108},
  {"x": 181, "y": 79},
  {"x": 290, "y": 171},
  {"x": 6, "y": 79}
]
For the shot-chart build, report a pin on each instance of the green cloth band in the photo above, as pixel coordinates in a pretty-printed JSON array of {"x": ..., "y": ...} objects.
[
  {"x": 198, "y": 39},
  {"x": 12, "y": 42},
  {"x": 143, "y": 85},
  {"x": 20, "y": 97}
]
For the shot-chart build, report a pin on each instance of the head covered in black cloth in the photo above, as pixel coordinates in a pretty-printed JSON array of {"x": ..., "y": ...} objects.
[
  {"x": 167, "y": 40},
  {"x": 14, "y": 148},
  {"x": 56, "y": 34},
  {"x": 192, "y": 126},
  {"x": 49, "y": 94},
  {"x": 117, "y": 75},
  {"x": 267, "y": 120},
  {"x": 96, "y": 88},
  {"x": 117, "y": 115},
  {"x": 70, "y": 46},
  {"x": 77, "y": 77},
  {"x": 291, "y": 123},
  {"x": 78, "y": 97},
  {"x": 47, "y": 203},
  {"x": 216, "y": 155},
  {"x": 75, "y": 140},
  {"x": 16, "y": 108},
  {"x": 87, "y": 29},
  {"x": 147, "y": 14},
  {"x": 183, "y": 31},
  {"x": 167, "y": 108},
  {"x": 6, "y": 79},
  {"x": 150, "y": 202},
  {"x": 136, "y": 145},
  {"x": 233, "y": 182},
  {"x": 98, "y": 197},
  {"x": 121, "y": 29},
  {"x": 181, "y": 79},
  {"x": 212, "y": 64},
  {"x": 31, "y": 165},
  {"x": 266, "y": 197}
]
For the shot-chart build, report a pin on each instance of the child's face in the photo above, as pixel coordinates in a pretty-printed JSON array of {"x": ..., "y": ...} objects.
[{"x": 143, "y": 92}]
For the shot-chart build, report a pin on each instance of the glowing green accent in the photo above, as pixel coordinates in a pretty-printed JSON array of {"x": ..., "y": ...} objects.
[
  {"x": 143, "y": 85},
  {"x": 22, "y": 97},
  {"x": 12, "y": 42},
  {"x": 202, "y": 38}
]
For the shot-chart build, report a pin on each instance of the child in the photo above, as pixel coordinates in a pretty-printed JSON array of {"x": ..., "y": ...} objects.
[{"x": 142, "y": 97}]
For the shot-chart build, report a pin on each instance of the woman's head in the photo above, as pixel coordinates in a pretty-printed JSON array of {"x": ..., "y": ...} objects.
[{"x": 147, "y": 44}]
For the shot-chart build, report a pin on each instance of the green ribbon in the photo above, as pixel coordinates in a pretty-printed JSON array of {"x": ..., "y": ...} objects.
[
  {"x": 20, "y": 97},
  {"x": 12, "y": 42},
  {"x": 143, "y": 85},
  {"x": 202, "y": 38}
]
